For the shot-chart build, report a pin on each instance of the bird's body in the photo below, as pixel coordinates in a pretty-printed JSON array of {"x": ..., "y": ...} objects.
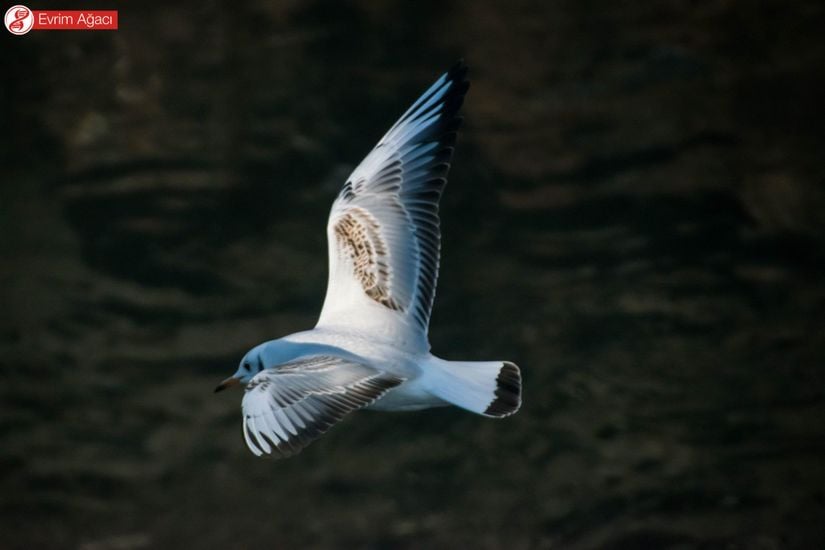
[
  {"x": 409, "y": 365},
  {"x": 370, "y": 347}
]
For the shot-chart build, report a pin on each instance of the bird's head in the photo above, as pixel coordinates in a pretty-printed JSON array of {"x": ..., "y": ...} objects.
[
  {"x": 263, "y": 356},
  {"x": 251, "y": 364}
]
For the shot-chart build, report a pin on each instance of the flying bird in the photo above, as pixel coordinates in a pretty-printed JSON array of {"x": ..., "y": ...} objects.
[{"x": 369, "y": 349}]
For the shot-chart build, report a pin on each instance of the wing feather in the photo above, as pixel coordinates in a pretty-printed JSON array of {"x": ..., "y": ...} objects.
[
  {"x": 384, "y": 231},
  {"x": 288, "y": 407}
]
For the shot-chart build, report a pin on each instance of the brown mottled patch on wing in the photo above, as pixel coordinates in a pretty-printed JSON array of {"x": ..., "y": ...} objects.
[{"x": 359, "y": 238}]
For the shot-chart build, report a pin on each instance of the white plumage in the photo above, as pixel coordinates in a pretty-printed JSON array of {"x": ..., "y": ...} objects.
[{"x": 370, "y": 347}]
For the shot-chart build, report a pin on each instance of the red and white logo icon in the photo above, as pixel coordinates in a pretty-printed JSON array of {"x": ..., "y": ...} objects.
[{"x": 19, "y": 19}]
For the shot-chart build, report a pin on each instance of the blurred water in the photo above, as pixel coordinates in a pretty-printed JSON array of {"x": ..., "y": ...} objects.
[{"x": 632, "y": 216}]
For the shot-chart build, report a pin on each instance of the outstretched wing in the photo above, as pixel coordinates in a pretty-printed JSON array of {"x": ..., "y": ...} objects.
[
  {"x": 286, "y": 408},
  {"x": 383, "y": 230}
]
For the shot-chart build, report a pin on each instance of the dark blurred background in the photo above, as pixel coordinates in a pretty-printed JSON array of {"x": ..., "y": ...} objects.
[{"x": 634, "y": 215}]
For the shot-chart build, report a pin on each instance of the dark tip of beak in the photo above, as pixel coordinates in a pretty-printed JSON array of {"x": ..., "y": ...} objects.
[{"x": 231, "y": 381}]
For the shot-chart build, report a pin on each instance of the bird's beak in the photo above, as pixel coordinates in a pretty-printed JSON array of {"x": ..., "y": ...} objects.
[{"x": 231, "y": 381}]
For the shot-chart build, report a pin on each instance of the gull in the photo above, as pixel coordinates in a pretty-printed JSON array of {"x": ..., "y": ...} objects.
[{"x": 369, "y": 349}]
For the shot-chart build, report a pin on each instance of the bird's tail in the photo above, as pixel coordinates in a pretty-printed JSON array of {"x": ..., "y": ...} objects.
[{"x": 490, "y": 388}]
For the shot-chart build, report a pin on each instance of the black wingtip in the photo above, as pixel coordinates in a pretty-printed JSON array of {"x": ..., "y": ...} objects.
[
  {"x": 455, "y": 99},
  {"x": 458, "y": 73}
]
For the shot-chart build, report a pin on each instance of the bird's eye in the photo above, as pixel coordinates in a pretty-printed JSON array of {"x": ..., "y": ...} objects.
[{"x": 246, "y": 366}]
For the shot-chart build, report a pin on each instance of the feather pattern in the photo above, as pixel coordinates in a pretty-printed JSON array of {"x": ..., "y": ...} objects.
[
  {"x": 287, "y": 407},
  {"x": 383, "y": 231}
]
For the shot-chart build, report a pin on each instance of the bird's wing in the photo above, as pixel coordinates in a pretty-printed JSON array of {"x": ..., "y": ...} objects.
[
  {"x": 383, "y": 230},
  {"x": 286, "y": 408}
]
